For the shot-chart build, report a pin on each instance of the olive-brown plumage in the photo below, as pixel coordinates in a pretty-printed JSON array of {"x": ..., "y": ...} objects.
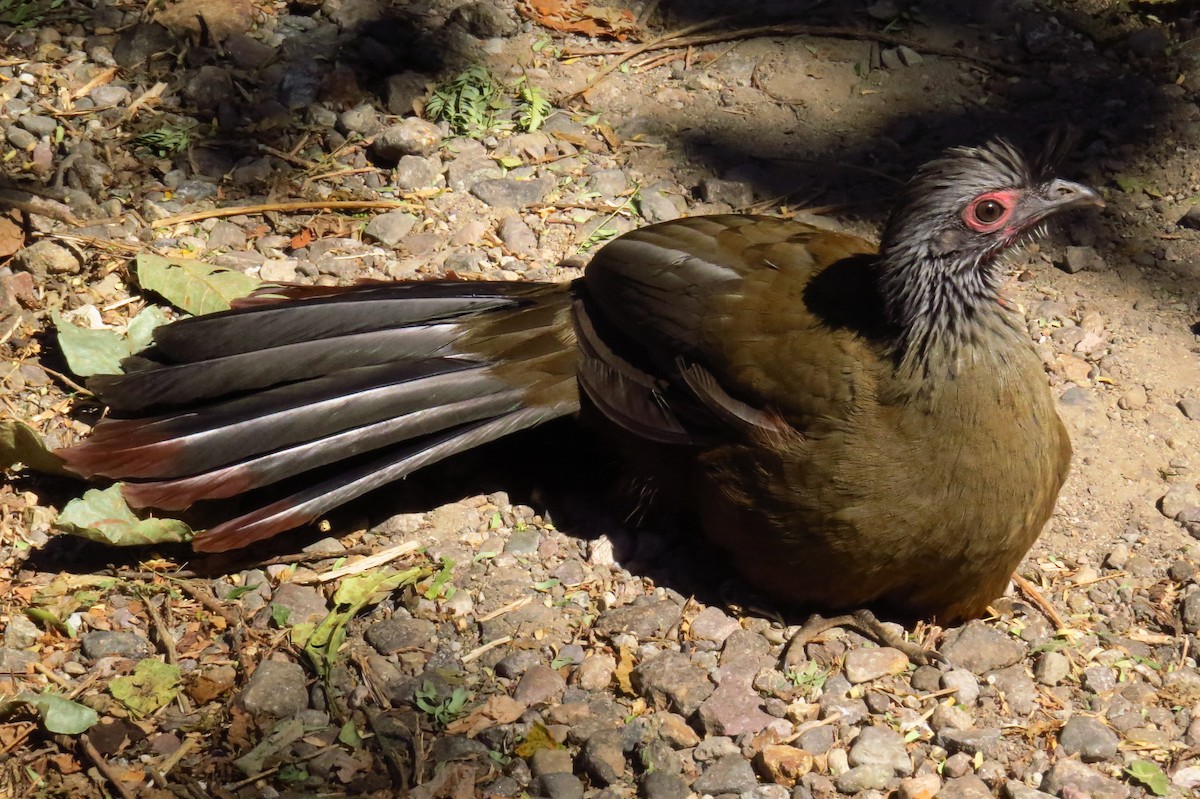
[{"x": 854, "y": 425}]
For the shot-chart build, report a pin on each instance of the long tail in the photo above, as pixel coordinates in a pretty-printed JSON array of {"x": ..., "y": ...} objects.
[{"x": 381, "y": 378}]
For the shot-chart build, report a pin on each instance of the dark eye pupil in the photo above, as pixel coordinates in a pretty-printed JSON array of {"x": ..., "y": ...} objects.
[{"x": 988, "y": 211}]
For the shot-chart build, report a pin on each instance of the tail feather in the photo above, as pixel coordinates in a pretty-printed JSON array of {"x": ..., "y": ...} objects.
[
  {"x": 246, "y": 475},
  {"x": 264, "y": 326},
  {"x": 176, "y": 384},
  {"x": 301, "y": 382},
  {"x": 203, "y": 438},
  {"x": 308, "y": 505}
]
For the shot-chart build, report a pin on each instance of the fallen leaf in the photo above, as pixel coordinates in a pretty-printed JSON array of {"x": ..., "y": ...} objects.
[
  {"x": 152, "y": 685},
  {"x": 90, "y": 352},
  {"x": 103, "y": 515},
  {"x": 1150, "y": 775},
  {"x": 302, "y": 239},
  {"x": 624, "y": 669},
  {"x": 21, "y": 444},
  {"x": 499, "y": 709},
  {"x": 140, "y": 333},
  {"x": 59, "y": 715},
  {"x": 537, "y": 738},
  {"x": 579, "y": 16},
  {"x": 12, "y": 238},
  {"x": 101, "y": 351},
  {"x": 193, "y": 286}
]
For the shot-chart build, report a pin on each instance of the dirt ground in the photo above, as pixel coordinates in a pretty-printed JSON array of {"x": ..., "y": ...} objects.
[{"x": 591, "y": 660}]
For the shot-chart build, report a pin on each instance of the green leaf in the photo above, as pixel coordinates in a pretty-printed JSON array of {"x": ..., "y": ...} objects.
[
  {"x": 141, "y": 327},
  {"x": 102, "y": 515},
  {"x": 350, "y": 736},
  {"x": 59, "y": 714},
  {"x": 1150, "y": 775},
  {"x": 439, "y": 583},
  {"x": 280, "y": 614},
  {"x": 20, "y": 443},
  {"x": 100, "y": 352},
  {"x": 354, "y": 594},
  {"x": 193, "y": 286},
  {"x": 239, "y": 590},
  {"x": 90, "y": 352},
  {"x": 152, "y": 685},
  {"x": 538, "y": 737},
  {"x": 48, "y": 621}
]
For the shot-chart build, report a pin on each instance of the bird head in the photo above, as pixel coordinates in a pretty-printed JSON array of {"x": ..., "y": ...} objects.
[
  {"x": 956, "y": 216},
  {"x": 973, "y": 203}
]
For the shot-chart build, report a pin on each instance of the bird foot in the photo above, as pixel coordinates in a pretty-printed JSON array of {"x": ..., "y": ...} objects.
[{"x": 863, "y": 621}]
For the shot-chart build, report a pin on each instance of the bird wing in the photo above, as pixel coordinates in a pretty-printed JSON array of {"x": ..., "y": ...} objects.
[{"x": 694, "y": 327}]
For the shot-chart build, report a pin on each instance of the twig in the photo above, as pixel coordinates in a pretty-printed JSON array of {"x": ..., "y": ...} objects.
[
  {"x": 291, "y": 159},
  {"x": 180, "y": 579},
  {"x": 337, "y": 173},
  {"x": 812, "y": 725},
  {"x": 210, "y": 602},
  {"x": 172, "y": 760},
  {"x": 690, "y": 36},
  {"x": 92, "y": 241},
  {"x": 304, "y": 557},
  {"x": 489, "y": 646},
  {"x": 66, "y": 380},
  {"x": 655, "y": 44},
  {"x": 1035, "y": 596},
  {"x": 27, "y": 729},
  {"x": 105, "y": 770},
  {"x": 31, "y": 203},
  {"x": 321, "y": 205},
  {"x": 366, "y": 564},
  {"x": 49, "y": 674},
  {"x": 516, "y": 604},
  {"x": 160, "y": 629}
]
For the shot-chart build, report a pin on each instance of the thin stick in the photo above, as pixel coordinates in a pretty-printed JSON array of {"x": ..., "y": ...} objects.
[
  {"x": 490, "y": 645},
  {"x": 161, "y": 631},
  {"x": 516, "y": 604},
  {"x": 655, "y": 44},
  {"x": 67, "y": 380},
  {"x": 1035, "y": 596},
  {"x": 104, "y": 768},
  {"x": 690, "y": 36},
  {"x": 366, "y": 564},
  {"x": 812, "y": 725},
  {"x": 322, "y": 205}
]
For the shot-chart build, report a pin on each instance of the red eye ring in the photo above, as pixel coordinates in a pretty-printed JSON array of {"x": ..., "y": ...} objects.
[{"x": 988, "y": 212}]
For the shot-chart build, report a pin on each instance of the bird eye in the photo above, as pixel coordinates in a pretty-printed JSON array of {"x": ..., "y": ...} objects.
[{"x": 988, "y": 212}]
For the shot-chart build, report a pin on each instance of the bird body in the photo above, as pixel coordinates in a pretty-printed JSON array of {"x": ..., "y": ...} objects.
[{"x": 853, "y": 424}]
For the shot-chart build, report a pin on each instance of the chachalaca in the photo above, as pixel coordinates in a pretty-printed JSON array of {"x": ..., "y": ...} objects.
[{"x": 856, "y": 425}]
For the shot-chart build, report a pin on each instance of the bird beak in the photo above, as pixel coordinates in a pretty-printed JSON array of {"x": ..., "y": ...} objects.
[
  {"x": 1055, "y": 197},
  {"x": 1062, "y": 195}
]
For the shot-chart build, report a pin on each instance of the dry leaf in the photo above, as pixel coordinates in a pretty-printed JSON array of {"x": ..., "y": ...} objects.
[
  {"x": 12, "y": 238},
  {"x": 624, "y": 669},
  {"x": 499, "y": 709},
  {"x": 455, "y": 781},
  {"x": 579, "y": 16},
  {"x": 302, "y": 239},
  {"x": 66, "y": 764},
  {"x": 610, "y": 136}
]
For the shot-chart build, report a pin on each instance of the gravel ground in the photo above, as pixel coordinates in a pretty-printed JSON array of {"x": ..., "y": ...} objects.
[{"x": 514, "y": 635}]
